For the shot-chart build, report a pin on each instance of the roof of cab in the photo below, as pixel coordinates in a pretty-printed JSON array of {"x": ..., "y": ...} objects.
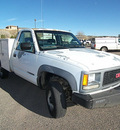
[{"x": 37, "y": 29}]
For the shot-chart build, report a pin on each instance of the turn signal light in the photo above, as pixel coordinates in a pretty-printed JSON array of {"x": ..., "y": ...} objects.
[{"x": 85, "y": 80}]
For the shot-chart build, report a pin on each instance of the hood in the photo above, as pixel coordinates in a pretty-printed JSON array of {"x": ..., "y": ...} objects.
[{"x": 89, "y": 58}]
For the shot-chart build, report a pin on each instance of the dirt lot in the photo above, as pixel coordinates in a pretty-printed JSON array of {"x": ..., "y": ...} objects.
[{"x": 23, "y": 106}]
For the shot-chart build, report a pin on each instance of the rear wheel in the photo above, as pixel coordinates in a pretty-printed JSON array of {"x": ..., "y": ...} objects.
[
  {"x": 3, "y": 73},
  {"x": 56, "y": 100}
]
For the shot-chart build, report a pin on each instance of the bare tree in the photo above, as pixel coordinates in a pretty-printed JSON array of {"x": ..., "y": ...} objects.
[{"x": 81, "y": 36}]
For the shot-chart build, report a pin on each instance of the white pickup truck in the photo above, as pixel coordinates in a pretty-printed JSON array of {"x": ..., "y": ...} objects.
[
  {"x": 55, "y": 60},
  {"x": 105, "y": 44}
]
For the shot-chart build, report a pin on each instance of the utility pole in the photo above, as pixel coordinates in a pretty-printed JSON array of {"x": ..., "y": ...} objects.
[{"x": 35, "y": 22}]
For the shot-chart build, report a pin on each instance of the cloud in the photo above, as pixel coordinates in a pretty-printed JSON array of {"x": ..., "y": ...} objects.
[{"x": 12, "y": 19}]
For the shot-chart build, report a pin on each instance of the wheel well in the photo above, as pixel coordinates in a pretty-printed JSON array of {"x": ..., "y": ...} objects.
[
  {"x": 46, "y": 77},
  {"x": 103, "y": 47}
]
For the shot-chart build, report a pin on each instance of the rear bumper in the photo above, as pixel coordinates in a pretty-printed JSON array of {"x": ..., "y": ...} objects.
[{"x": 104, "y": 99}]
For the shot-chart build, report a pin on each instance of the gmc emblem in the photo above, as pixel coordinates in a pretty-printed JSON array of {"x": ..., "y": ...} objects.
[{"x": 117, "y": 75}]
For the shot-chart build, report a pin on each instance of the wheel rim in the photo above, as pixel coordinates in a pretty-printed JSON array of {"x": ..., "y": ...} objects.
[
  {"x": 50, "y": 100},
  {"x": 104, "y": 49}
]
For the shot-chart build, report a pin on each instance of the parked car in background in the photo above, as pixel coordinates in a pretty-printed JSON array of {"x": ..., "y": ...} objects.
[
  {"x": 85, "y": 42},
  {"x": 105, "y": 44}
]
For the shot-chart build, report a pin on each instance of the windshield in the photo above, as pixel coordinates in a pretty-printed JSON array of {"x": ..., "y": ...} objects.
[{"x": 48, "y": 40}]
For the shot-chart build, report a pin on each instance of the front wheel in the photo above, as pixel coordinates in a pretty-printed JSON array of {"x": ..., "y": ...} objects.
[
  {"x": 56, "y": 100},
  {"x": 104, "y": 49}
]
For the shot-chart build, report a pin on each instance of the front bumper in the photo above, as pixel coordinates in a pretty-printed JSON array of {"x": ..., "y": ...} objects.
[{"x": 104, "y": 99}]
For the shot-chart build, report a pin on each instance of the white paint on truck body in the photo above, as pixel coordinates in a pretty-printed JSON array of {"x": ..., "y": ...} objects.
[{"x": 5, "y": 52}]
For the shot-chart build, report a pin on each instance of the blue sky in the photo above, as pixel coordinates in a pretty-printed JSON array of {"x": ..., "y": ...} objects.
[{"x": 92, "y": 17}]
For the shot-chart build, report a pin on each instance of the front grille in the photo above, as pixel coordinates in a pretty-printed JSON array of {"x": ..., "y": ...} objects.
[{"x": 111, "y": 77}]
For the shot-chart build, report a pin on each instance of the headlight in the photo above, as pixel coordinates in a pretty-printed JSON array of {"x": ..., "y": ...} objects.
[{"x": 91, "y": 81}]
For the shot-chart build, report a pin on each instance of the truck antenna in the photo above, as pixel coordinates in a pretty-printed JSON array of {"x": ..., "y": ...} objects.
[{"x": 42, "y": 22}]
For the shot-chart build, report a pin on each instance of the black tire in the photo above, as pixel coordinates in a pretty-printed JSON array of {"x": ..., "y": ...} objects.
[
  {"x": 3, "y": 73},
  {"x": 104, "y": 49},
  {"x": 56, "y": 100}
]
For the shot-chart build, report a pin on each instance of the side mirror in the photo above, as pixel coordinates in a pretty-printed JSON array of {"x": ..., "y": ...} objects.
[{"x": 25, "y": 46}]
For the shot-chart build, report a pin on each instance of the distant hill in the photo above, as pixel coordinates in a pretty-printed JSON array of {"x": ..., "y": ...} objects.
[{"x": 9, "y": 32}]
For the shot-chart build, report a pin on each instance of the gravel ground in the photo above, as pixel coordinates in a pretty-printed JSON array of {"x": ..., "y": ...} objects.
[{"x": 23, "y": 107}]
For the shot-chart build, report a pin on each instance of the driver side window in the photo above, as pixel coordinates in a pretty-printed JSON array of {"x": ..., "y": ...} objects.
[{"x": 26, "y": 37}]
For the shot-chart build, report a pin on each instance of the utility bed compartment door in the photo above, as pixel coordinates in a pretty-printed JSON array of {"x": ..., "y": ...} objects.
[{"x": 5, "y": 52}]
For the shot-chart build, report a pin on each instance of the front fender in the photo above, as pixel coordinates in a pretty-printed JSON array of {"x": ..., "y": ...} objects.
[{"x": 59, "y": 72}]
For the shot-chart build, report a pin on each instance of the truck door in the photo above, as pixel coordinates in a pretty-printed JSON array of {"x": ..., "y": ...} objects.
[{"x": 24, "y": 62}]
